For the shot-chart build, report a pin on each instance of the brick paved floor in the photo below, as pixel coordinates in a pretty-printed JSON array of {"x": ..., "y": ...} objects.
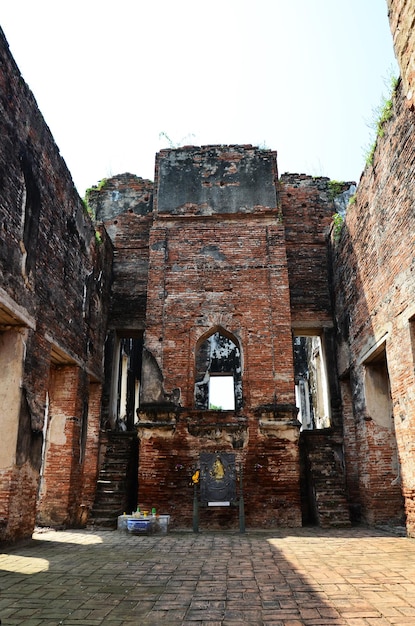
[{"x": 309, "y": 577}]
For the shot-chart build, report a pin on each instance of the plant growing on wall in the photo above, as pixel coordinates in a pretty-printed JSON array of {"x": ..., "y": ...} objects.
[
  {"x": 338, "y": 221},
  {"x": 100, "y": 185},
  {"x": 335, "y": 188},
  {"x": 382, "y": 114},
  {"x": 175, "y": 144}
]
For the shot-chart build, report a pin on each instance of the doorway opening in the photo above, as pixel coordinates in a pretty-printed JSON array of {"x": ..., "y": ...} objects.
[{"x": 311, "y": 382}]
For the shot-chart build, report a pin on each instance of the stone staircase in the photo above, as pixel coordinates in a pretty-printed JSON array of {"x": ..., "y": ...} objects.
[
  {"x": 117, "y": 481},
  {"x": 324, "y": 475}
]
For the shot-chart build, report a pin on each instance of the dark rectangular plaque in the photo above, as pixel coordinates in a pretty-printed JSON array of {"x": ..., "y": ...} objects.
[{"x": 217, "y": 478}]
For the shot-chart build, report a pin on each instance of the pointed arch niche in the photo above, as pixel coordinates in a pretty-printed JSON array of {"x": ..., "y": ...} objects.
[{"x": 218, "y": 371}]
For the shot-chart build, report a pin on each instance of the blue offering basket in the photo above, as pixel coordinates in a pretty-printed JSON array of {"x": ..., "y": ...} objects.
[{"x": 140, "y": 526}]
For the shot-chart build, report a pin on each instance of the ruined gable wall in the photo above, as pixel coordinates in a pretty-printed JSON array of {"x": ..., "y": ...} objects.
[
  {"x": 218, "y": 261},
  {"x": 217, "y": 257},
  {"x": 54, "y": 280},
  {"x": 375, "y": 289}
]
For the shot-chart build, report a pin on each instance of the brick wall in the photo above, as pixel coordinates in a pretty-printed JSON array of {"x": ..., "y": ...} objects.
[
  {"x": 401, "y": 18},
  {"x": 308, "y": 208},
  {"x": 169, "y": 454},
  {"x": 375, "y": 294},
  {"x": 124, "y": 205},
  {"x": 218, "y": 260},
  {"x": 205, "y": 271},
  {"x": 55, "y": 278},
  {"x": 62, "y": 465}
]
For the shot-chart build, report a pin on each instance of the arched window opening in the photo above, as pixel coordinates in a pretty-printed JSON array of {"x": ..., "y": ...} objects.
[{"x": 218, "y": 380}]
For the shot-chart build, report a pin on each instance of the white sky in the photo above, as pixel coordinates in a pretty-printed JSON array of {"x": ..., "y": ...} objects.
[
  {"x": 302, "y": 77},
  {"x": 222, "y": 392}
]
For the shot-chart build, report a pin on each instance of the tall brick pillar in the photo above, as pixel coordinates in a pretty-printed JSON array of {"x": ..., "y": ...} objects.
[
  {"x": 18, "y": 474},
  {"x": 89, "y": 452},
  {"x": 61, "y": 476}
]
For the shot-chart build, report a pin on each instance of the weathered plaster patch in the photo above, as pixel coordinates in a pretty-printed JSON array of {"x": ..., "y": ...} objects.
[
  {"x": 57, "y": 430},
  {"x": 11, "y": 357}
]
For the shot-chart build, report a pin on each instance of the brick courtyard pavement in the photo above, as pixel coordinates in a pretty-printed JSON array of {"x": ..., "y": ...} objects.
[{"x": 299, "y": 577}]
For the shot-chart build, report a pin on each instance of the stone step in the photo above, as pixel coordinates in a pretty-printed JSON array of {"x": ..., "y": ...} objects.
[
  {"x": 107, "y": 479},
  {"x": 111, "y": 494},
  {"x": 110, "y": 509},
  {"x": 103, "y": 522},
  {"x": 106, "y": 472}
]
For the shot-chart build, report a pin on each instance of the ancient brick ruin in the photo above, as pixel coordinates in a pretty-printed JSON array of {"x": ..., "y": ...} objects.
[{"x": 115, "y": 331}]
